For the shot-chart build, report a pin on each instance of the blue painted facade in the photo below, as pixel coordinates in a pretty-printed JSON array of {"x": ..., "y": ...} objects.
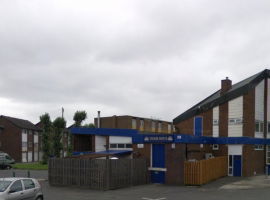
[{"x": 169, "y": 138}]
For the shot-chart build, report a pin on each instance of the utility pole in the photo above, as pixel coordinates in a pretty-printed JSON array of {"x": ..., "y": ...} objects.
[{"x": 62, "y": 112}]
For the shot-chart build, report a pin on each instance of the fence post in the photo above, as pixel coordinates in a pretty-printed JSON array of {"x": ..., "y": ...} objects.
[
  {"x": 108, "y": 174},
  {"x": 266, "y": 172}
]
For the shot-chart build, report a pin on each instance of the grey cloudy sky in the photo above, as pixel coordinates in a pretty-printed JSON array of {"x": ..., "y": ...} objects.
[{"x": 142, "y": 58}]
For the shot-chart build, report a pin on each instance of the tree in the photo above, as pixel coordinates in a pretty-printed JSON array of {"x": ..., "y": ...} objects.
[
  {"x": 90, "y": 125},
  {"x": 78, "y": 117},
  {"x": 46, "y": 144},
  {"x": 59, "y": 125}
]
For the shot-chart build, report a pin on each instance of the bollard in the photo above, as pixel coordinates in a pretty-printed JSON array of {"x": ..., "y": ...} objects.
[
  {"x": 13, "y": 174},
  {"x": 28, "y": 173},
  {"x": 266, "y": 172}
]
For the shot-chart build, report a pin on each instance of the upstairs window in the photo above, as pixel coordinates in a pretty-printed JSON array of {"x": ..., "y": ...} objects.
[
  {"x": 30, "y": 132},
  {"x": 259, "y": 127},
  {"x": 153, "y": 124},
  {"x": 159, "y": 125},
  {"x": 169, "y": 127},
  {"x": 24, "y": 131},
  {"x": 133, "y": 122},
  {"x": 215, "y": 122},
  {"x": 236, "y": 121},
  {"x": 258, "y": 147},
  {"x": 141, "y": 123}
]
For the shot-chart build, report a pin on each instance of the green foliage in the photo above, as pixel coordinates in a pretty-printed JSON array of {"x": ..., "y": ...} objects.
[
  {"x": 79, "y": 117},
  {"x": 90, "y": 125},
  {"x": 46, "y": 144},
  {"x": 31, "y": 166},
  {"x": 70, "y": 146},
  {"x": 59, "y": 125}
]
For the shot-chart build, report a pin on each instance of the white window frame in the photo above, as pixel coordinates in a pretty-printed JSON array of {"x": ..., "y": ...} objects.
[
  {"x": 261, "y": 127},
  {"x": 134, "y": 122},
  {"x": 268, "y": 154},
  {"x": 141, "y": 123},
  {"x": 258, "y": 147},
  {"x": 24, "y": 131},
  {"x": 169, "y": 127},
  {"x": 159, "y": 125},
  {"x": 215, "y": 147},
  {"x": 235, "y": 120},
  {"x": 153, "y": 124},
  {"x": 215, "y": 121},
  {"x": 30, "y": 144}
]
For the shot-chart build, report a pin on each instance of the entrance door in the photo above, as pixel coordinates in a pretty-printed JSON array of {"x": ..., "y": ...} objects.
[
  {"x": 237, "y": 165},
  {"x": 158, "y": 160}
]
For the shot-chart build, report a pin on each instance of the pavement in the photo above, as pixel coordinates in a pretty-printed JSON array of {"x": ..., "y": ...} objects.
[{"x": 238, "y": 183}]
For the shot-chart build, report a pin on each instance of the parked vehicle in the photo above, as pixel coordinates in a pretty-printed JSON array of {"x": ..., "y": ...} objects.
[
  {"x": 4, "y": 165},
  {"x": 20, "y": 188},
  {"x": 5, "y": 157}
]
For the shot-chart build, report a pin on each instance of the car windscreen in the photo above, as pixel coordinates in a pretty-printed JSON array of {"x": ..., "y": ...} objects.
[{"x": 4, "y": 185}]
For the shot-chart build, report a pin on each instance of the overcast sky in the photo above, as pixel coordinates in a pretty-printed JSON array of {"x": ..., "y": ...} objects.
[{"x": 142, "y": 58}]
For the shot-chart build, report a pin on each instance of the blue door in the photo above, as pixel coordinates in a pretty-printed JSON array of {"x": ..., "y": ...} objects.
[
  {"x": 237, "y": 165},
  {"x": 198, "y": 126},
  {"x": 158, "y": 160}
]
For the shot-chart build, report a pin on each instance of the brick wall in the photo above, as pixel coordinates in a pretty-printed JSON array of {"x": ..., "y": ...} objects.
[
  {"x": 187, "y": 126},
  {"x": 11, "y": 140},
  {"x": 174, "y": 163},
  {"x": 252, "y": 161},
  {"x": 249, "y": 114}
]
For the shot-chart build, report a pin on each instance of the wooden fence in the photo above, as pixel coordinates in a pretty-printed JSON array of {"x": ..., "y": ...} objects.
[
  {"x": 204, "y": 171},
  {"x": 101, "y": 174}
]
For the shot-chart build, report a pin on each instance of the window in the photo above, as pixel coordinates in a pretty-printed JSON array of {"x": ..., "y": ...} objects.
[
  {"x": 36, "y": 146},
  {"x": 113, "y": 146},
  {"x": 169, "y": 127},
  {"x": 40, "y": 133},
  {"x": 121, "y": 145},
  {"x": 230, "y": 169},
  {"x": 134, "y": 122},
  {"x": 259, "y": 127},
  {"x": 65, "y": 134},
  {"x": 159, "y": 125},
  {"x": 16, "y": 187},
  {"x": 268, "y": 155},
  {"x": 236, "y": 121},
  {"x": 28, "y": 184},
  {"x": 173, "y": 128},
  {"x": 35, "y": 132},
  {"x": 23, "y": 131},
  {"x": 153, "y": 125},
  {"x": 268, "y": 128},
  {"x": 141, "y": 123},
  {"x": 258, "y": 147},
  {"x": 215, "y": 146},
  {"x": 24, "y": 146},
  {"x": 30, "y": 132},
  {"x": 215, "y": 121},
  {"x": 30, "y": 144}
]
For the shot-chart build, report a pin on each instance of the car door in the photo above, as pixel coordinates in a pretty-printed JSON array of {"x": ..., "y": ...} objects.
[
  {"x": 29, "y": 189},
  {"x": 16, "y": 191}
]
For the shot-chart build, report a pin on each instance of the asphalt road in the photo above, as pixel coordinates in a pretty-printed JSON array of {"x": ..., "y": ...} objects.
[{"x": 154, "y": 192}]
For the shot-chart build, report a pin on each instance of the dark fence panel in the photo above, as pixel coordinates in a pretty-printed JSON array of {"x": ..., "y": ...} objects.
[{"x": 98, "y": 173}]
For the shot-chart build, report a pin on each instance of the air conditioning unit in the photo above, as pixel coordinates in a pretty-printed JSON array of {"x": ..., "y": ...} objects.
[{"x": 208, "y": 155}]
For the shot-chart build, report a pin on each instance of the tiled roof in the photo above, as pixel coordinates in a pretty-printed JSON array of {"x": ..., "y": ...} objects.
[
  {"x": 217, "y": 99},
  {"x": 25, "y": 124}
]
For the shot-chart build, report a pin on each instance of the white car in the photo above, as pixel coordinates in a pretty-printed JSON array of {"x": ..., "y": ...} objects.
[{"x": 20, "y": 188}]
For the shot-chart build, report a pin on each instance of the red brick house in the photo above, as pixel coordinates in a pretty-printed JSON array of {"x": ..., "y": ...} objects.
[
  {"x": 21, "y": 139},
  {"x": 238, "y": 117}
]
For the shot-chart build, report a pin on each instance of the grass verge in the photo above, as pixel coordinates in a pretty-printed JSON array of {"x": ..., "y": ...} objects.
[{"x": 30, "y": 166}]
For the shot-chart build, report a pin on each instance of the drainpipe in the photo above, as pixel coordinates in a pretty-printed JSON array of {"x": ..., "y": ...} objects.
[{"x": 98, "y": 119}]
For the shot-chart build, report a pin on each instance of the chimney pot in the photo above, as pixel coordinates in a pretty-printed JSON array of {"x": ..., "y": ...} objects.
[{"x": 226, "y": 85}]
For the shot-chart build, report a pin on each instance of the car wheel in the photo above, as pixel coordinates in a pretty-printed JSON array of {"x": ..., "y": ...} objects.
[
  {"x": 8, "y": 167},
  {"x": 39, "y": 198}
]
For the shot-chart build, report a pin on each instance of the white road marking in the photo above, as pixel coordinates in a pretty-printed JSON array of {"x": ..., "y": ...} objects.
[{"x": 154, "y": 199}]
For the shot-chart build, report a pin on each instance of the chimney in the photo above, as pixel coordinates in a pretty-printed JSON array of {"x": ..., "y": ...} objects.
[
  {"x": 226, "y": 85},
  {"x": 98, "y": 119}
]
